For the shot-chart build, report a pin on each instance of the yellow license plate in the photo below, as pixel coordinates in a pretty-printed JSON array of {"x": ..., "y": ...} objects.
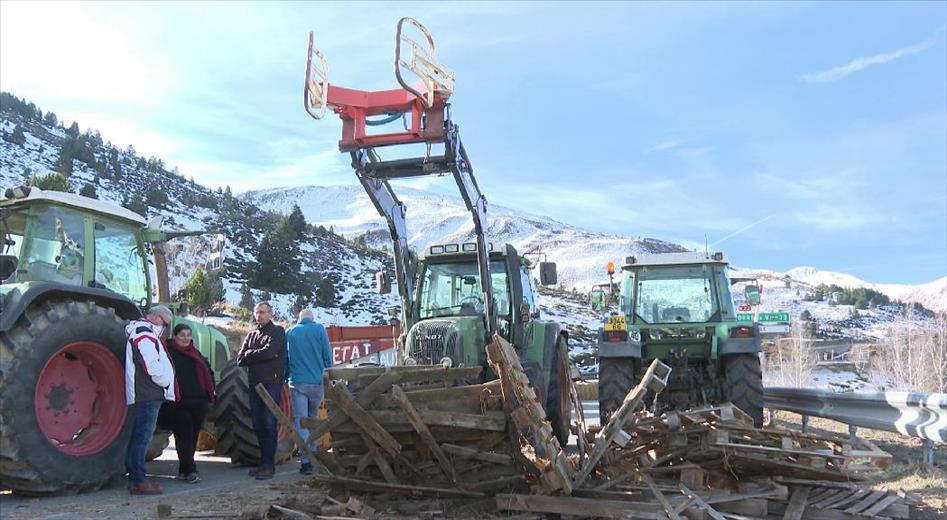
[{"x": 615, "y": 323}]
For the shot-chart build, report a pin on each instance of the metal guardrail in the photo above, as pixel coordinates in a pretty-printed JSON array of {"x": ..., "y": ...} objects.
[{"x": 908, "y": 413}]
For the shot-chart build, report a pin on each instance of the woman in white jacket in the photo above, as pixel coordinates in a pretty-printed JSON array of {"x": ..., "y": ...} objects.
[{"x": 149, "y": 381}]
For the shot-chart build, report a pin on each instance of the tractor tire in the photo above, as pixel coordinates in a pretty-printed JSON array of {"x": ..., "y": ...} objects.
[
  {"x": 616, "y": 377},
  {"x": 233, "y": 424},
  {"x": 64, "y": 423},
  {"x": 743, "y": 385},
  {"x": 559, "y": 398},
  {"x": 160, "y": 441}
]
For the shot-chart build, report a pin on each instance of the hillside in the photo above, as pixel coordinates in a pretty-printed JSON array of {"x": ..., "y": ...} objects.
[{"x": 148, "y": 187}]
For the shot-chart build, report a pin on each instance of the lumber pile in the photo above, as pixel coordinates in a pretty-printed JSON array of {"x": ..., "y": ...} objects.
[
  {"x": 425, "y": 439},
  {"x": 414, "y": 426}
]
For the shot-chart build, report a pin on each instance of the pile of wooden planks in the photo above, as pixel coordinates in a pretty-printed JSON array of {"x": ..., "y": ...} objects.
[{"x": 415, "y": 426}]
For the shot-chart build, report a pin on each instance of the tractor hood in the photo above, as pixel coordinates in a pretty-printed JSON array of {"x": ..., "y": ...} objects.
[{"x": 430, "y": 341}]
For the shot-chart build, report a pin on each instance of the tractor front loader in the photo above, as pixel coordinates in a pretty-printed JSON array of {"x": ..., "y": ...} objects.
[{"x": 458, "y": 295}]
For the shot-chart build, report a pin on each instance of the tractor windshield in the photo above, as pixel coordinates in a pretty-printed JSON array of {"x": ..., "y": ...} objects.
[
  {"x": 675, "y": 295},
  {"x": 119, "y": 265},
  {"x": 49, "y": 242},
  {"x": 452, "y": 289}
]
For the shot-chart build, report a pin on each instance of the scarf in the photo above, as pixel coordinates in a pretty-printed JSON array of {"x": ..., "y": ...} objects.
[{"x": 204, "y": 379}]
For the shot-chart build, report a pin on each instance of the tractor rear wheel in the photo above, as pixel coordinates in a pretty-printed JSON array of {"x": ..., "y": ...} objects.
[
  {"x": 559, "y": 398},
  {"x": 743, "y": 384},
  {"x": 616, "y": 377},
  {"x": 234, "y": 426},
  {"x": 63, "y": 414}
]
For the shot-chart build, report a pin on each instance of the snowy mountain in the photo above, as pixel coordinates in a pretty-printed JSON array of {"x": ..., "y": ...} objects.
[{"x": 581, "y": 255}]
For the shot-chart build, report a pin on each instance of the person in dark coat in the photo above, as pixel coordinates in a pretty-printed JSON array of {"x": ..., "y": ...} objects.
[
  {"x": 185, "y": 417},
  {"x": 263, "y": 354}
]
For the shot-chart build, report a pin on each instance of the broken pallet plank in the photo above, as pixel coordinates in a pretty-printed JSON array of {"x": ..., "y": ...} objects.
[
  {"x": 290, "y": 427},
  {"x": 380, "y": 487},
  {"x": 424, "y": 433},
  {"x": 346, "y": 402},
  {"x": 797, "y": 503},
  {"x": 578, "y": 506}
]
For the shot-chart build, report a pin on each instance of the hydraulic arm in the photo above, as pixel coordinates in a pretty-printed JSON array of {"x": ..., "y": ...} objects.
[{"x": 425, "y": 104}]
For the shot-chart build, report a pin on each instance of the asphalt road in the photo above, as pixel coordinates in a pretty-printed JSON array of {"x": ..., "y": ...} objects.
[{"x": 221, "y": 486}]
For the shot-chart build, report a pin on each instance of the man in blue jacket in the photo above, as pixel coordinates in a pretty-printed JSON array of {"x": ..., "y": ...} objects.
[{"x": 307, "y": 354}]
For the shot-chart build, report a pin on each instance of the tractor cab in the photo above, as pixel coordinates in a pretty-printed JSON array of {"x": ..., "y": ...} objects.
[
  {"x": 69, "y": 240},
  {"x": 450, "y": 307}
]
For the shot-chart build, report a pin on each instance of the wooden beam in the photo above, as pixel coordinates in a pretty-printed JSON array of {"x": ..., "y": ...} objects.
[
  {"x": 584, "y": 507},
  {"x": 290, "y": 427},
  {"x": 317, "y": 428},
  {"x": 380, "y": 487},
  {"x": 342, "y": 398},
  {"x": 424, "y": 433},
  {"x": 471, "y": 453},
  {"x": 672, "y": 514}
]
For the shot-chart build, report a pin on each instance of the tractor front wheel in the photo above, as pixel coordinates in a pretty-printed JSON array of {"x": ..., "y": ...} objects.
[{"x": 559, "y": 398}]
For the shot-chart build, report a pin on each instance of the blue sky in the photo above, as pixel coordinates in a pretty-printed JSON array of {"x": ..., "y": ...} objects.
[{"x": 787, "y": 134}]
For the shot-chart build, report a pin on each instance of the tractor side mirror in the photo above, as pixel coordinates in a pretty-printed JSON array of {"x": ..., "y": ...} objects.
[
  {"x": 752, "y": 293},
  {"x": 382, "y": 282},
  {"x": 8, "y": 264},
  {"x": 547, "y": 273}
]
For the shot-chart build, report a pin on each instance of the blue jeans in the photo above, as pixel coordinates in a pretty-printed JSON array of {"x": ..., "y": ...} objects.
[
  {"x": 264, "y": 422},
  {"x": 306, "y": 400},
  {"x": 144, "y": 419}
]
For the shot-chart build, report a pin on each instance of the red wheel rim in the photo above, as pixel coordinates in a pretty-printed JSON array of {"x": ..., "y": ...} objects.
[
  {"x": 80, "y": 398},
  {"x": 286, "y": 405}
]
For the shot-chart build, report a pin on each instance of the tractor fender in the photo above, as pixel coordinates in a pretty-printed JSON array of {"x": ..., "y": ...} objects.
[
  {"x": 739, "y": 346},
  {"x": 15, "y": 303},
  {"x": 619, "y": 349}
]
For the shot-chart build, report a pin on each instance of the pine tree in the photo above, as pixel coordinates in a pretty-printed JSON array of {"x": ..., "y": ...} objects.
[
  {"x": 88, "y": 190},
  {"x": 246, "y": 297},
  {"x": 73, "y": 130},
  {"x": 203, "y": 291},
  {"x": 325, "y": 294},
  {"x": 18, "y": 137},
  {"x": 52, "y": 182},
  {"x": 50, "y": 119},
  {"x": 67, "y": 153}
]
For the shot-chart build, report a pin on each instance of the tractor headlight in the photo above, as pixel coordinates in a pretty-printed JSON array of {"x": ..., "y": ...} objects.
[
  {"x": 655, "y": 334},
  {"x": 446, "y": 362},
  {"x": 410, "y": 361},
  {"x": 634, "y": 335}
]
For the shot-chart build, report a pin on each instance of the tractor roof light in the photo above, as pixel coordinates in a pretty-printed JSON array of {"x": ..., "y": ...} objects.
[
  {"x": 437, "y": 250},
  {"x": 630, "y": 260},
  {"x": 610, "y": 268},
  {"x": 469, "y": 247},
  {"x": 451, "y": 248},
  {"x": 718, "y": 256}
]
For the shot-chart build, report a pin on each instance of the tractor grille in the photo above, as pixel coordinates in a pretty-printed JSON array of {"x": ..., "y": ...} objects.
[{"x": 429, "y": 343}]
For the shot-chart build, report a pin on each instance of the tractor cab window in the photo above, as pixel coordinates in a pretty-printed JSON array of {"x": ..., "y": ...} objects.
[
  {"x": 12, "y": 230},
  {"x": 119, "y": 265},
  {"x": 453, "y": 289},
  {"x": 675, "y": 295},
  {"x": 529, "y": 291},
  {"x": 54, "y": 249}
]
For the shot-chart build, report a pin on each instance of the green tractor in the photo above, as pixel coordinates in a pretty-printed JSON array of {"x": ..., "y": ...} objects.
[
  {"x": 450, "y": 327},
  {"x": 74, "y": 270},
  {"x": 677, "y": 307}
]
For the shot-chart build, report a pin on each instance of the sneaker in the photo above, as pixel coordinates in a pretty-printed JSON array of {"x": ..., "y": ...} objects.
[
  {"x": 265, "y": 473},
  {"x": 306, "y": 469},
  {"x": 192, "y": 478},
  {"x": 181, "y": 476},
  {"x": 145, "y": 488},
  {"x": 253, "y": 472}
]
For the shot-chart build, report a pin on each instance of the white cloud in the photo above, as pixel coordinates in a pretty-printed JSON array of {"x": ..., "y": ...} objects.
[
  {"x": 78, "y": 51},
  {"x": 863, "y": 62},
  {"x": 665, "y": 146}
]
